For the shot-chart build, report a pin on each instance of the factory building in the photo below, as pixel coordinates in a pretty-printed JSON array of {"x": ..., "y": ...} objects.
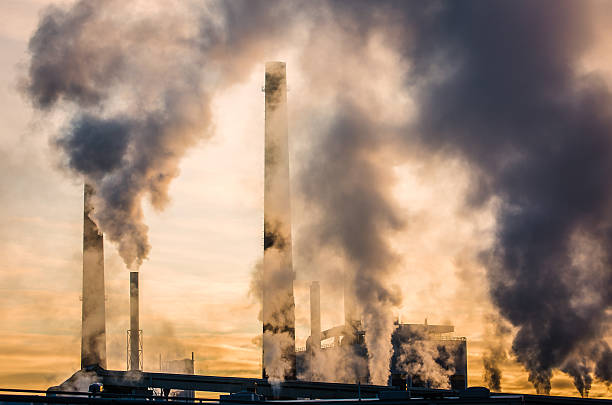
[{"x": 342, "y": 351}]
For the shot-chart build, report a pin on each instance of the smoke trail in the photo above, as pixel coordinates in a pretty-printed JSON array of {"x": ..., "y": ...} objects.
[
  {"x": 495, "y": 352},
  {"x": 491, "y": 361},
  {"x": 581, "y": 374}
]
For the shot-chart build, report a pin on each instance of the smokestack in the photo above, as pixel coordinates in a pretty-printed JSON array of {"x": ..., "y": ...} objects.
[
  {"x": 352, "y": 320},
  {"x": 278, "y": 302},
  {"x": 93, "y": 332},
  {"x": 315, "y": 316},
  {"x": 134, "y": 338}
]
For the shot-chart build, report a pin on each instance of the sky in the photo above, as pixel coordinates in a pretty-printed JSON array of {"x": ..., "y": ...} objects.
[{"x": 207, "y": 239}]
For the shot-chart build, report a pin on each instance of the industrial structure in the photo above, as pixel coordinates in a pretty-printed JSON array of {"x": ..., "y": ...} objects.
[
  {"x": 134, "y": 334},
  {"x": 344, "y": 347},
  {"x": 93, "y": 332},
  {"x": 472, "y": 396},
  {"x": 278, "y": 310},
  {"x": 301, "y": 381}
]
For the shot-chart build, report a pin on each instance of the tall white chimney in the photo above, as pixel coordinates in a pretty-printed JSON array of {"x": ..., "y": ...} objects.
[{"x": 278, "y": 302}]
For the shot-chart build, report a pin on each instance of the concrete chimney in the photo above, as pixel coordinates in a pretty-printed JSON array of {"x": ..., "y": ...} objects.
[
  {"x": 278, "y": 302},
  {"x": 93, "y": 332},
  {"x": 351, "y": 314},
  {"x": 134, "y": 334},
  {"x": 315, "y": 316}
]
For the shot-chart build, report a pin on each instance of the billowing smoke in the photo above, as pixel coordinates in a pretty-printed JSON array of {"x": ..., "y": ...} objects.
[
  {"x": 137, "y": 79},
  {"x": 581, "y": 374},
  {"x": 344, "y": 364},
  {"x": 510, "y": 98},
  {"x": 498, "y": 84},
  {"x": 136, "y": 111},
  {"x": 426, "y": 361},
  {"x": 345, "y": 181},
  {"x": 586, "y": 360}
]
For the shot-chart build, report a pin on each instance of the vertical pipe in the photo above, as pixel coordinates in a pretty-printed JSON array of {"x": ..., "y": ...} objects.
[
  {"x": 134, "y": 363},
  {"x": 315, "y": 316},
  {"x": 348, "y": 303},
  {"x": 351, "y": 320},
  {"x": 278, "y": 349},
  {"x": 93, "y": 330}
]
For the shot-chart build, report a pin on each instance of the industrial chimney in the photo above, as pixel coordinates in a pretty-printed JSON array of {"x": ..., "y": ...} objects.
[
  {"x": 315, "y": 317},
  {"x": 93, "y": 333},
  {"x": 134, "y": 335},
  {"x": 278, "y": 302}
]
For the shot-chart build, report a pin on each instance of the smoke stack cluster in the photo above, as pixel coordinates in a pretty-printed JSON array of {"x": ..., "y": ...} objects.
[
  {"x": 93, "y": 334},
  {"x": 278, "y": 302}
]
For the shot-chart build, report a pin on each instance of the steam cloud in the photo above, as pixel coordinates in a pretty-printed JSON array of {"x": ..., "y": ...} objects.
[
  {"x": 345, "y": 181},
  {"x": 498, "y": 84},
  {"x": 422, "y": 359}
]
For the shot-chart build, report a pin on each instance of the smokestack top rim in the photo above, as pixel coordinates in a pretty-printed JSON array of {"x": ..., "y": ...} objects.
[{"x": 275, "y": 64}]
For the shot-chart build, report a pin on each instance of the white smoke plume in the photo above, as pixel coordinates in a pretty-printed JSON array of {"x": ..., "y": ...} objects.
[
  {"x": 277, "y": 364},
  {"x": 339, "y": 364},
  {"x": 422, "y": 358}
]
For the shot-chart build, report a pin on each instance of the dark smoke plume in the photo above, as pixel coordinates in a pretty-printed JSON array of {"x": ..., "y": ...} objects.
[
  {"x": 492, "y": 370},
  {"x": 499, "y": 83},
  {"x": 581, "y": 374},
  {"x": 495, "y": 352}
]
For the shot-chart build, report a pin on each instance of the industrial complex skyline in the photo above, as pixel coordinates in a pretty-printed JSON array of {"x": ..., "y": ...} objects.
[{"x": 470, "y": 193}]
